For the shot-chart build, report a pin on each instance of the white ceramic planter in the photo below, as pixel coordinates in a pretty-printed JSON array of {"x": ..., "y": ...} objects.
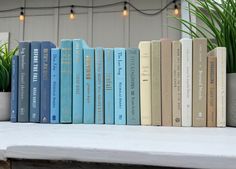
[
  {"x": 5, "y": 106},
  {"x": 231, "y": 100}
]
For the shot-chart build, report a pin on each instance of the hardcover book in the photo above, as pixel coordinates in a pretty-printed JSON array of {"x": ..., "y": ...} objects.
[
  {"x": 132, "y": 86},
  {"x": 109, "y": 85},
  {"x": 35, "y": 81},
  {"x": 145, "y": 82},
  {"x": 55, "y": 85},
  {"x": 45, "y": 77},
  {"x": 23, "y": 87},
  {"x": 99, "y": 89},
  {"x": 120, "y": 88},
  {"x": 89, "y": 81},
  {"x": 66, "y": 82}
]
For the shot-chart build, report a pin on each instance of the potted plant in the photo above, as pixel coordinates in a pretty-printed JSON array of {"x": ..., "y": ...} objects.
[
  {"x": 5, "y": 80},
  {"x": 218, "y": 23}
]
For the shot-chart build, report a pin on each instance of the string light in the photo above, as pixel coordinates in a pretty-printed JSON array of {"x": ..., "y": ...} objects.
[
  {"x": 176, "y": 11},
  {"x": 22, "y": 16},
  {"x": 125, "y": 11},
  {"x": 72, "y": 15}
]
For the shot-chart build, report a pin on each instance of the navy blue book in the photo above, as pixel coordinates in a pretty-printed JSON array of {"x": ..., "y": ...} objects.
[
  {"x": 35, "y": 81},
  {"x": 14, "y": 85},
  {"x": 45, "y": 81},
  {"x": 24, "y": 78}
]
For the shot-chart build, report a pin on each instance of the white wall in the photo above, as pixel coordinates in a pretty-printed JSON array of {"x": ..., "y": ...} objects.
[{"x": 104, "y": 27}]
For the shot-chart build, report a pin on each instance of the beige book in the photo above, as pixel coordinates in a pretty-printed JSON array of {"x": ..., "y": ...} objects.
[
  {"x": 211, "y": 91},
  {"x": 156, "y": 82},
  {"x": 199, "y": 82},
  {"x": 176, "y": 83},
  {"x": 166, "y": 83},
  {"x": 145, "y": 82}
]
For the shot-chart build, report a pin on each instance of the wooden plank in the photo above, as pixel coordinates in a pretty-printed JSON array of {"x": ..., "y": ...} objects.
[{"x": 4, "y": 165}]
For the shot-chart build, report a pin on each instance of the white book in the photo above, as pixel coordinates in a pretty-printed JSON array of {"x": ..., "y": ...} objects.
[
  {"x": 220, "y": 54},
  {"x": 145, "y": 82},
  {"x": 187, "y": 57}
]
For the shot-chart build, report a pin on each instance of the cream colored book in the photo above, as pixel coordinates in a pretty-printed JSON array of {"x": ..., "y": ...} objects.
[
  {"x": 166, "y": 92},
  {"x": 220, "y": 53},
  {"x": 156, "y": 81},
  {"x": 199, "y": 81},
  {"x": 145, "y": 82},
  {"x": 176, "y": 83}
]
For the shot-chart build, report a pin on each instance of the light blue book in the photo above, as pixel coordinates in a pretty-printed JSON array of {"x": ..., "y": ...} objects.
[
  {"x": 66, "y": 82},
  {"x": 132, "y": 86},
  {"x": 109, "y": 85},
  {"x": 89, "y": 85},
  {"x": 99, "y": 90},
  {"x": 120, "y": 88},
  {"x": 55, "y": 85}
]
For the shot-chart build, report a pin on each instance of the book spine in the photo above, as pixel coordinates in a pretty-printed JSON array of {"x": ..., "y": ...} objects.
[
  {"x": 14, "y": 85},
  {"x": 156, "y": 82},
  {"x": 211, "y": 91},
  {"x": 199, "y": 82},
  {"x": 186, "y": 82},
  {"x": 89, "y": 86},
  {"x": 132, "y": 86},
  {"x": 99, "y": 97},
  {"x": 145, "y": 82},
  {"x": 176, "y": 83},
  {"x": 66, "y": 82},
  {"x": 45, "y": 81},
  {"x": 78, "y": 86},
  {"x": 23, "y": 87},
  {"x": 166, "y": 74},
  {"x": 35, "y": 81},
  {"x": 109, "y": 86},
  {"x": 55, "y": 84},
  {"x": 120, "y": 88}
]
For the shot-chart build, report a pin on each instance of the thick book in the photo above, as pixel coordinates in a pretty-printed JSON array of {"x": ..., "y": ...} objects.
[
  {"x": 14, "y": 85},
  {"x": 109, "y": 85},
  {"x": 66, "y": 82},
  {"x": 156, "y": 82},
  {"x": 166, "y": 92},
  {"x": 89, "y": 80},
  {"x": 77, "y": 80},
  {"x": 176, "y": 83},
  {"x": 199, "y": 82},
  {"x": 45, "y": 77},
  {"x": 186, "y": 48},
  {"x": 132, "y": 86},
  {"x": 220, "y": 54},
  {"x": 99, "y": 86},
  {"x": 24, "y": 78},
  {"x": 211, "y": 90},
  {"x": 120, "y": 88},
  {"x": 145, "y": 82},
  {"x": 35, "y": 81},
  {"x": 55, "y": 85}
]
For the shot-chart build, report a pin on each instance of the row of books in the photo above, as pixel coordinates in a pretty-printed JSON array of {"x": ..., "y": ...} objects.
[{"x": 162, "y": 83}]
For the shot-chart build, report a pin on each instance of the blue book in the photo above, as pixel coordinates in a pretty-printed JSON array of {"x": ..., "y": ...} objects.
[
  {"x": 77, "y": 80},
  {"x": 120, "y": 88},
  {"x": 109, "y": 85},
  {"x": 66, "y": 82},
  {"x": 99, "y": 90},
  {"x": 35, "y": 81},
  {"x": 132, "y": 86},
  {"x": 55, "y": 85},
  {"x": 45, "y": 82},
  {"x": 14, "y": 85},
  {"x": 23, "y": 85},
  {"x": 89, "y": 85}
]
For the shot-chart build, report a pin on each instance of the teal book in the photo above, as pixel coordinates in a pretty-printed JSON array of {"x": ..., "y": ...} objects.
[
  {"x": 99, "y": 89},
  {"x": 89, "y": 86},
  {"x": 109, "y": 85},
  {"x": 78, "y": 80},
  {"x": 66, "y": 82},
  {"x": 132, "y": 86},
  {"x": 14, "y": 85},
  {"x": 120, "y": 88}
]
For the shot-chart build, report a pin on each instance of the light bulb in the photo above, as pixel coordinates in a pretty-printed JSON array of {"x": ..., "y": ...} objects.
[
  {"x": 72, "y": 16},
  {"x": 125, "y": 11},
  {"x": 176, "y": 11},
  {"x": 21, "y": 17}
]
